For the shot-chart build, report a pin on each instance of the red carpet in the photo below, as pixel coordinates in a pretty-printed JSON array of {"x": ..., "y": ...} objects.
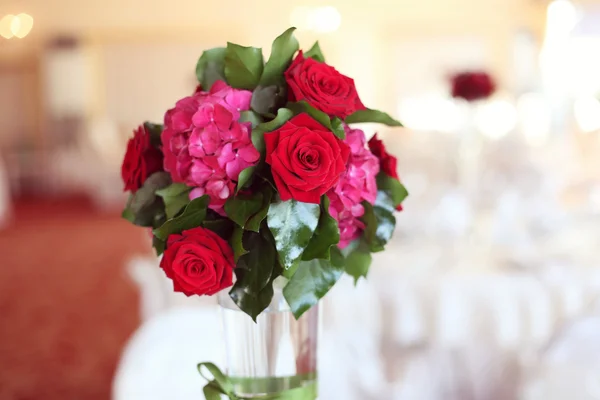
[{"x": 67, "y": 306}]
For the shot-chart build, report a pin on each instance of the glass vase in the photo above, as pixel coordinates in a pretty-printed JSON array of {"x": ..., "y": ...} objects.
[{"x": 276, "y": 353}]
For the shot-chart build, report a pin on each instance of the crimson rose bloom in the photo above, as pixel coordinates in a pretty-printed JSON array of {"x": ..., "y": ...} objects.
[
  {"x": 306, "y": 159},
  {"x": 387, "y": 162},
  {"x": 198, "y": 262},
  {"x": 322, "y": 86},
  {"x": 141, "y": 160},
  {"x": 473, "y": 86}
]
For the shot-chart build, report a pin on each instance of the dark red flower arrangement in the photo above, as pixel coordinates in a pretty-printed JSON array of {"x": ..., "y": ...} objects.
[
  {"x": 472, "y": 86},
  {"x": 259, "y": 174}
]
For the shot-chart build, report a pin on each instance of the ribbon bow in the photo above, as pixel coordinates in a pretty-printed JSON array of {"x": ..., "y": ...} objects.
[{"x": 222, "y": 384}]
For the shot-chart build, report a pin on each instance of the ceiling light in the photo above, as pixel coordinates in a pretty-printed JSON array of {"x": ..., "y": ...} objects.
[
  {"x": 317, "y": 19},
  {"x": 6, "y": 26},
  {"x": 23, "y": 27}
]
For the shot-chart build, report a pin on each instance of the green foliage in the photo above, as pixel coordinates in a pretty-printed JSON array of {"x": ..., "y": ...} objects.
[
  {"x": 379, "y": 222},
  {"x": 221, "y": 226},
  {"x": 315, "y": 53},
  {"x": 337, "y": 127},
  {"x": 312, "y": 280},
  {"x": 357, "y": 260},
  {"x": 159, "y": 245},
  {"x": 175, "y": 197},
  {"x": 236, "y": 243},
  {"x": 258, "y": 133},
  {"x": 369, "y": 115},
  {"x": 326, "y": 235},
  {"x": 292, "y": 224},
  {"x": 252, "y": 117},
  {"x": 245, "y": 177},
  {"x": 243, "y": 66},
  {"x": 392, "y": 187},
  {"x": 266, "y": 100},
  {"x": 210, "y": 67},
  {"x": 282, "y": 51},
  {"x": 319, "y": 116},
  {"x": 155, "y": 131},
  {"x": 241, "y": 207},
  {"x": 191, "y": 217},
  {"x": 255, "y": 272},
  {"x": 144, "y": 208}
]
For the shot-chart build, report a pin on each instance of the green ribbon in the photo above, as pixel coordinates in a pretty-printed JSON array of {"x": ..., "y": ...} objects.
[{"x": 222, "y": 384}]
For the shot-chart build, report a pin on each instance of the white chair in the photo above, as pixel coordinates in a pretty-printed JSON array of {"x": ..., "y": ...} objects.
[{"x": 159, "y": 362}]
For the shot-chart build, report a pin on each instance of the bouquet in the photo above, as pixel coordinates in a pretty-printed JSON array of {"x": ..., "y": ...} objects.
[{"x": 259, "y": 174}]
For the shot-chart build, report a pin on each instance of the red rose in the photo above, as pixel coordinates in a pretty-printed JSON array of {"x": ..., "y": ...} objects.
[
  {"x": 198, "y": 262},
  {"x": 322, "y": 86},
  {"x": 387, "y": 162},
  {"x": 306, "y": 159},
  {"x": 472, "y": 86},
  {"x": 141, "y": 160}
]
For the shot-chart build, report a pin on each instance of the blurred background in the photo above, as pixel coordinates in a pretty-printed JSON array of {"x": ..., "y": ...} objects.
[{"x": 490, "y": 287}]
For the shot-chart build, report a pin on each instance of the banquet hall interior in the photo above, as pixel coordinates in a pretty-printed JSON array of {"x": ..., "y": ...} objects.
[{"x": 490, "y": 287}]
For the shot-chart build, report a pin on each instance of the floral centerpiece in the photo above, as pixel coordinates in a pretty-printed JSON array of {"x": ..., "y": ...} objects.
[
  {"x": 259, "y": 174},
  {"x": 472, "y": 85}
]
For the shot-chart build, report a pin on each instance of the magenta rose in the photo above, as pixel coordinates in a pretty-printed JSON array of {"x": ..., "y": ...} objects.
[{"x": 306, "y": 159}]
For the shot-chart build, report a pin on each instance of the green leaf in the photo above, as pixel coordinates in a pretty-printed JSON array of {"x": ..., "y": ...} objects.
[
  {"x": 369, "y": 115},
  {"x": 245, "y": 177},
  {"x": 337, "y": 258},
  {"x": 159, "y": 245},
  {"x": 255, "y": 272},
  {"x": 379, "y": 222},
  {"x": 258, "y": 133},
  {"x": 392, "y": 187},
  {"x": 175, "y": 196},
  {"x": 315, "y": 53},
  {"x": 254, "y": 222},
  {"x": 142, "y": 199},
  {"x": 209, "y": 68},
  {"x": 268, "y": 99},
  {"x": 310, "y": 283},
  {"x": 192, "y": 217},
  {"x": 222, "y": 227},
  {"x": 243, "y": 66},
  {"x": 292, "y": 224},
  {"x": 157, "y": 181},
  {"x": 155, "y": 131},
  {"x": 252, "y": 117},
  {"x": 337, "y": 127},
  {"x": 289, "y": 273},
  {"x": 358, "y": 262},
  {"x": 237, "y": 243},
  {"x": 326, "y": 235},
  {"x": 282, "y": 51},
  {"x": 144, "y": 208},
  {"x": 127, "y": 213},
  {"x": 303, "y": 107},
  {"x": 243, "y": 206}
]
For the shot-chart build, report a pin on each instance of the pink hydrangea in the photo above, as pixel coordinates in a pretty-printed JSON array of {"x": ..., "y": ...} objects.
[
  {"x": 204, "y": 144},
  {"x": 356, "y": 185}
]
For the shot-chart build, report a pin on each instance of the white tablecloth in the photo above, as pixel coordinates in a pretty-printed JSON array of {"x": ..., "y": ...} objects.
[{"x": 401, "y": 335}]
